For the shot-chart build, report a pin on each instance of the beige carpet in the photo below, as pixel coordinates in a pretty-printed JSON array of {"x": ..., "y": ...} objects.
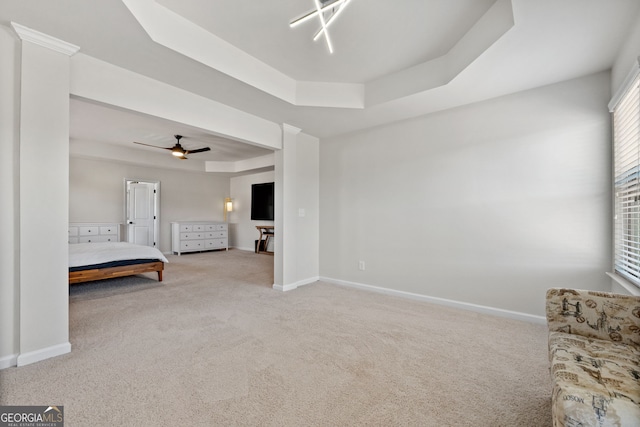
[{"x": 214, "y": 345}]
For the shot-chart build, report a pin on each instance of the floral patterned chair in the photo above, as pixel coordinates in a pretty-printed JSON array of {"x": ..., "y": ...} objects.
[{"x": 594, "y": 349}]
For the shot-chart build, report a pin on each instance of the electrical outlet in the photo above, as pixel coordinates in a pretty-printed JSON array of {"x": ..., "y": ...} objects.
[{"x": 361, "y": 265}]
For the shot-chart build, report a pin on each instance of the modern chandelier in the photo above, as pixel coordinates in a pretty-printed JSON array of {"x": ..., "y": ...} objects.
[{"x": 326, "y": 11}]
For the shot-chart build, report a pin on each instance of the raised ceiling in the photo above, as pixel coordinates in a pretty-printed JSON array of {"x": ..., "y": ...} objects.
[
  {"x": 372, "y": 38},
  {"x": 410, "y": 57}
]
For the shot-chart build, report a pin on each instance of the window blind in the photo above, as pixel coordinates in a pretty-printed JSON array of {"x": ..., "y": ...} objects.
[{"x": 626, "y": 148}]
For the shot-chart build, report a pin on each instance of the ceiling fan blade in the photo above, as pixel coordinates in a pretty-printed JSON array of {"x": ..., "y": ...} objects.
[
  {"x": 154, "y": 146},
  {"x": 199, "y": 150}
]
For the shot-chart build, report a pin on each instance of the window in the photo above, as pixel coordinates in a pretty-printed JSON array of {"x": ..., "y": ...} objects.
[{"x": 626, "y": 165}]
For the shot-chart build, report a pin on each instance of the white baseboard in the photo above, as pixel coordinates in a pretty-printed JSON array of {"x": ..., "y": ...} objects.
[
  {"x": 42, "y": 354},
  {"x": 292, "y": 286},
  {"x": 441, "y": 301},
  {"x": 8, "y": 361}
]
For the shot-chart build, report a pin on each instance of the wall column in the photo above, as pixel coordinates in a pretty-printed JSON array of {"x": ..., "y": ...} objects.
[
  {"x": 284, "y": 268},
  {"x": 43, "y": 196}
]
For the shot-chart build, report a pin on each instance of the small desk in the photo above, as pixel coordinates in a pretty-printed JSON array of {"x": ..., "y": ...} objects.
[{"x": 266, "y": 231}]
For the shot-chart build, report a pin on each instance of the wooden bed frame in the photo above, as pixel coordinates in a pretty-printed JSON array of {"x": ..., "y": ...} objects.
[
  {"x": 111, "y": 272},
  {"x": 87, "y": 232}
]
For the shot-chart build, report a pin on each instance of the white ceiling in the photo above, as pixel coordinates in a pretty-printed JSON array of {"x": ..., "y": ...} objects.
[
  {"x": 99, "y": 123},
  {"x": 367, "y": 34},
  {"x": 550, "y": 41}
]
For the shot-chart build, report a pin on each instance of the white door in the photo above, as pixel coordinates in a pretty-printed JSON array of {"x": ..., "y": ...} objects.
[{"x": 141, "y": 213}]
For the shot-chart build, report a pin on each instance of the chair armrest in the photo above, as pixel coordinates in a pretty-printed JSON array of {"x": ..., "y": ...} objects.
[{"x": 592, "y": 314}]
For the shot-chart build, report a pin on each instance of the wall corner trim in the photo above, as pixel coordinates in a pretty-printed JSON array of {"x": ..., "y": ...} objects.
[{"x": 44, "y": 353}]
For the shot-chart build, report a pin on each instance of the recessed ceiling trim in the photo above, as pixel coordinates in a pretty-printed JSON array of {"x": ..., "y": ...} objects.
[
  {"x": 173, "y": 31},
  {"x": 494, "y": 24}
]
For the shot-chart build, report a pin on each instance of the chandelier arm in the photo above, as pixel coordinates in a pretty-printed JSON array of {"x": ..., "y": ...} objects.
[
  {"x": 324, "y": 26},
  {"x": 313, "y": 13},
  {"x": 331, "y": 19}
]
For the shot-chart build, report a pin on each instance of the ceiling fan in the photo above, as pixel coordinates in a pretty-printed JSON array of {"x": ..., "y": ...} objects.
[{"x": 177, "y": 150}]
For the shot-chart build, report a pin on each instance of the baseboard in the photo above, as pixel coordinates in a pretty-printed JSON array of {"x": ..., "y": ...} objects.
[
  {"x": 8, "y": 361},
  {"x": 42, "y": 354},
  {"x": 441, "y": 301},
  {"x": 292, "y": 286}
]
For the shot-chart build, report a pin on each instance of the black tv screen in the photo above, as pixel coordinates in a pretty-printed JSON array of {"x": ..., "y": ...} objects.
[{"x": 262, "y": 201}]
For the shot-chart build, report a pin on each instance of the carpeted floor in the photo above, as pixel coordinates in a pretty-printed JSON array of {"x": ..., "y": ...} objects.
[{"x": 214, "y": 345}]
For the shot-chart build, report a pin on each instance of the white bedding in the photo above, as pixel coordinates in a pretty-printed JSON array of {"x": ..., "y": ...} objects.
[{"x": 97, "y": 253}]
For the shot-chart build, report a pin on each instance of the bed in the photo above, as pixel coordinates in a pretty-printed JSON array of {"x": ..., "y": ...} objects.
[{"x": 106, "y": 260}]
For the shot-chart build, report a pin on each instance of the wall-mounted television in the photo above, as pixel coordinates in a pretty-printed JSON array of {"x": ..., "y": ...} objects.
[{"x": 262, "y": 201}]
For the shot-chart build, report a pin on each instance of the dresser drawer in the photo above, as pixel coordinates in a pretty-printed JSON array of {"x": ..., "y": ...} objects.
[
  {"x": 186, "y": 227},
  {"x": 215, "y": 243},
  {"x": 89, "y": 231},
  {"x": 194, "y": 245},
  {"x": 215, "y": 234},
  {"x": 198, "y": 227},
  {"x": 191, "y": 236},
  {"x": 108, "y": 231}
]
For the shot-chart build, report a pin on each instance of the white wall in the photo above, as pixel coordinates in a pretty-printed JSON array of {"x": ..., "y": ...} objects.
[
  {"x": 97, "y": 193},
  {"x": 242, "y": 230},
  {"x": 487, "y": 204}
]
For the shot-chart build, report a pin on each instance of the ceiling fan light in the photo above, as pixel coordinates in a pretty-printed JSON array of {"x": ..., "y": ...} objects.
[{"x": 177, "y": 152}]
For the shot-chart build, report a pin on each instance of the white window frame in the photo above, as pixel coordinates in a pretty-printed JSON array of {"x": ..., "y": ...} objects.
[{"x": 625, "y": 109}]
